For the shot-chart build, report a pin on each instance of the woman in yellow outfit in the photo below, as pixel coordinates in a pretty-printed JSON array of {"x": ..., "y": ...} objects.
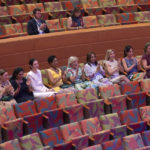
[{"x": 56, "y": 76}]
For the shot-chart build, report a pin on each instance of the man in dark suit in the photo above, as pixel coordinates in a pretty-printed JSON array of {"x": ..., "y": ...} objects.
[{"x": 37, "y": 25}]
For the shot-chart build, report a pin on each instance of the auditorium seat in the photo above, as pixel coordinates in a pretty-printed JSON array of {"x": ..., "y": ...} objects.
[
  {"x": 133, "y": 142},
  {"x": 19, "y": 13},
  {"x": 30, "y": 142},
  {"x": 90, "y": 22},
  {"x": 53, "y": 138},
  {"x": 112, "y": 122},
  {"x": 64, "y": 23},
  {"x": 143, "y": 16},
  {"x": 136, "y": 98},
  {"x": 28, "y": 112},
  {"x": 46, "y": 104},
  {"x": 115, "y": 144},
  {"x": 107, "y": 20},
  {"x": 5, "y": 18},
  {"x": 126, "y": 18},
  {"x": 143, "y": 5},
  {"x": 86, "y": 95},
  {"x": 55, "y": 10},
  {"x": 13, "y": 2},
  {"x": 11, "y": 145},
  {"x": 54, "y": 25},
  {"x": 132, "y": 119},
  {"x": 95, "y": 147},
  {"x": 146, "y": 137},
  {"x": 145, "y": 113},
  {"x": 30, "y": 1},
  {"x": 93, "y": 128},
  {"x": 72, "y": 132},
  {"x": 24, "y": 27},
  {"x": 144, "y": 148}
]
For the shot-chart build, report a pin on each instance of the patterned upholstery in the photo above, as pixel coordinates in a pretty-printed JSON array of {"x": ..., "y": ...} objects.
[
  {"x": 64, "y": 23},
  {"x": 75, "y": 113},
  {"x": 45, "y": 77},
  {"x": 125, "y": 2},
  {"x": 133, "y": 142},
  {"x": 95, "y": 147},
  {"x": 118, "y": 103},
  {"x": 145, "y": 85},
  {"x": 54, "y": 25},
  {"x": 96, "y": 108},
  {"x": 107, "y": 20},
  {"x": 113, "y": 145},
  {"x": 25, "y": 109},
  {"x": 142, "y": 2},
  {"x": 108, "y": 3},
  {"x": 13, "y": 29},
  {"x": 144, "y": 148},
  {"x": 92, "y": 128},
  {"x": 31, "y": 7},
  {"x": 145, "y": 113},
  {"x": 66, "y": 99},
  {"x": 146, "y": 137},
  {"x": 67, "y": 5},
  {"x": 10, "y": 145},
  {"x": 55, "y": 117},
  {"x": 46, "y": 104},
  {"x": 142, "y": 16},
  {"x": 89, "y": 3},
  {"x": 30, "y": 142},
  {"x": 12, "y": 2},
  {"x": 86, "y": 95},
  {"x": 56, "y": 9},
  {"x": 73, "y": 132},
  {"x": 109, "y": 91},
  {"x": 54, "y": 139},
  {"x": 130, "y": 88},
  {"x": 90, "y": 22},
  {"x": 24, "y": 27},
  {"x": 0, "y": 134},
  {"x": 125, "y": 18}
]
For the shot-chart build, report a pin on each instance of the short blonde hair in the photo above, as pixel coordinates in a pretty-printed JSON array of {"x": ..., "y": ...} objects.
[
  {"x": 71, "y": 59},
  {"x": 108, "y": 52}
]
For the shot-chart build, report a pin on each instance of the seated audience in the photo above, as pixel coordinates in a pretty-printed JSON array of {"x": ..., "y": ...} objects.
[
  {"x": 37, "y": 25},
  {"x": 146, "y": 59},
  {"x": 76, "y": 20},
  {"x": 39, "y": 90},
  {"x": 113, "y": 67},
  {"x": 56, "y": 76},
  {"x": 131, "y": 65},
  {"x": 94, "y": 71},
  {"x": 6, "y": 89},
  {"x": 22, "y": 86},
  {"x": 75, "y": 74}
]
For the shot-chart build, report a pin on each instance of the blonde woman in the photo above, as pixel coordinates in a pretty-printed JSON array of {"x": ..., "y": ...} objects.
[
  {"x": 76, "y": 74},
  {"x": 113, "y": 67}
]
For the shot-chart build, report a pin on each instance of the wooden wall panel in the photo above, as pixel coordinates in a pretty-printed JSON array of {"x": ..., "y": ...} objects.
[{"x": 17, "y": 51}]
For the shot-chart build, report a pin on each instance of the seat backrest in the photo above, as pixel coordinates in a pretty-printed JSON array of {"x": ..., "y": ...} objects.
[
  {"x": 51, "y": 137},
  {"x": 53, "y": 24},
  {"x": 86, "y": 95},
  {"x": 17, "y": 9},
  {"x": 66, "y": 99},
  {"x": 90, "y": 21},
  {"x": 130, "y": 88},
  {"x": 53, "y": 6},
  {"x": 70, "y": 131},
  {"x": 125, "y": 2},
  {"x": 10, "y": 145},
  {"x": 3, "y": 11},
  {"x": 89, "y": 3},
  {"x": 45, "y": 76},
  {"x": 129, "y": 116},
  {"x": 108, "y": 3},
  {"x": 25, "y": 109},
  {"x": 107, "y": 20},
  {"x": 109, "y": 91},
  {"x": 90, "y": 126},
  {"x": 13, "y": 28},
  {"x": 109, "y": 121},
  {"x": 67, "y": 5},
  {"x": 24, "y": 27},
  {"x": 140, "y": 2},
  {"x": 146, "y": 137},
  {"x": 46, "y": 104},
  {"x": 30, "y": 142},
  {"x": 31, "y": 7},
  {"x": 95, "y": 147},
  {"x": 113, "y": 145},
  {"x": 143, "y": 16},
  {"x": 132, "y": 142},
  {"x": 145, "y": 113},
  {"x": 145, "y": 85},
  {"x": 64, "y": 23}
]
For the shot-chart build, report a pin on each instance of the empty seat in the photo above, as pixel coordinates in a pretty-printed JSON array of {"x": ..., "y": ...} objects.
[
  {"x": 95, "y": 147},
  {"x": 90, "y": 22},
  {"x": 146, "y": 137}
]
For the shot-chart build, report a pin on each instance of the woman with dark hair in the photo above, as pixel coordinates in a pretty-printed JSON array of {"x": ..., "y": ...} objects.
[
  {"x": 21, "y": 85},
  {"x": 131, "y": 65},
  {"x": 39, "y": 90},
  {"x": 76, "y": 20},
  {"x": 146, "y": 59},
  {"x": 94, "y": 71},
  {"x": 6, "y": 89}
]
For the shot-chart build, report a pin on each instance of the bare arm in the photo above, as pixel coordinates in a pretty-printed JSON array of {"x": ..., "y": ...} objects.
[
  {"x": 144, "y": 63},
  {"x": 109, "y": 70},
  {"x": 69, "y": 24}
]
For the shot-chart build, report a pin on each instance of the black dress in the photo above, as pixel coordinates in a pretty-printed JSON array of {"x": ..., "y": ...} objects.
[{"x": 24, "y": 93}]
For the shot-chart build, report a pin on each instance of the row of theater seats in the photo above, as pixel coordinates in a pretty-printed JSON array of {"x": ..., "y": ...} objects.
[
  {"x": 34, "y": 116},
  {"x": 80, "y": 135},
  {"x": 56, "y": 25}
]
